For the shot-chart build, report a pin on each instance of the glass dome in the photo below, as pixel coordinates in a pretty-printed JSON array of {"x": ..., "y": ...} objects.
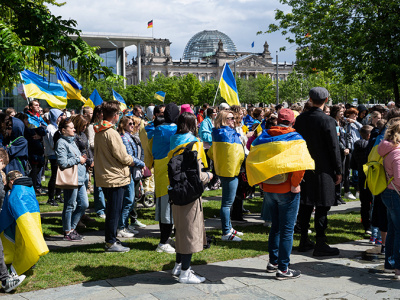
[{"x": 205, "y": 43}]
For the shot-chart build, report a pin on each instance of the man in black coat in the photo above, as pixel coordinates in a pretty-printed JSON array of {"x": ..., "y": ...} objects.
[{"x": 318, "y": 187}]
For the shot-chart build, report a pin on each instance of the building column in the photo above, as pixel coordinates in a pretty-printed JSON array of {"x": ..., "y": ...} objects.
[{"x": 139, "y": 61}]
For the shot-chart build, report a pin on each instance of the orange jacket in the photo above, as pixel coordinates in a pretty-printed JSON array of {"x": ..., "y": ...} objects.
[{"x": 294, "y": 178}]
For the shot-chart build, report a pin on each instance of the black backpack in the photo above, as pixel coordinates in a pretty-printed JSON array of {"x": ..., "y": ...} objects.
[{"x": 185, "y": 185}]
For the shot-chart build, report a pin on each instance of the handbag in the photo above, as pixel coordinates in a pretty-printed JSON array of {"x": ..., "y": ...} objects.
[{"x": 67, "y": 179}]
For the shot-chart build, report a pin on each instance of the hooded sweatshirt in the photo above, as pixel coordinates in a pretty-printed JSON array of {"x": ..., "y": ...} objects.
[
  {"x": 17, "y": 148},
  {"x": 111, "y": 159},
  {"x": 52, "y": 128},
  {"x": 391, "y": 162}
]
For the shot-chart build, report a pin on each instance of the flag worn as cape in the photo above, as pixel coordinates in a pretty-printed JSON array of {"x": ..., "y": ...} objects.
[
  {"x": 36, "y": 86},
  {"x": 21, "y": 229},
  {"x": 273, "y": 155},
  {"x": 182, "y": 140},
  {"x": 226, "y": 151},
  {"x": 69, "y": 84}
]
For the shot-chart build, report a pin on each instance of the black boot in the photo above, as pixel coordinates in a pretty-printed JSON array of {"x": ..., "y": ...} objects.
[
  {"x": 52, "y": 202},
  {"x": 305, "y": 245},
  {"x": 323, "y": 249}
]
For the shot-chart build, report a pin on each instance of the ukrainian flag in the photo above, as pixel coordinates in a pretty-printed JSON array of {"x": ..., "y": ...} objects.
[
  {"x": 273, "y": 155},
  {"x": 21, "y": 229},
  {"x": 69, "y": 84},
  {"x": 227, "y": 85},
  {"x": 36, "y": 86},
  {"x": 160, "y": 95},
  {"x": 226, "y": 151},
  {"x": 119, "y": 98},
  {"x": 182, "y": 140},
  {"x": 94, "y": 99}
]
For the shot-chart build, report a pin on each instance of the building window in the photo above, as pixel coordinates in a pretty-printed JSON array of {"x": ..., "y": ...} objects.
[
  {"x": 157, "y": 50},
  {"x": 203, "y": 78},
  {"x": 163, "y": 50},
  {"x": 152, "y": 49},
  {"x": 212, "y": 77}
]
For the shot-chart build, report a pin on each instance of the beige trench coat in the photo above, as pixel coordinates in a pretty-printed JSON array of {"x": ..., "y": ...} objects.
[{"x": 190, "y": 235}]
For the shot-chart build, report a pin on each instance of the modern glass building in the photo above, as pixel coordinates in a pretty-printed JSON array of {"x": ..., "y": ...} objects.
[{"x": 205, "y": 43}]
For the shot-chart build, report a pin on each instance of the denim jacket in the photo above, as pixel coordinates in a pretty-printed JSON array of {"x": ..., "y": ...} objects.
[
  {"x": 68, "y": 155},
  {"x": 134, "y": 148}
]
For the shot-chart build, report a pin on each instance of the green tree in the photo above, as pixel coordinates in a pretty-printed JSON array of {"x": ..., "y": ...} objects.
[
  {"x": 189, "y": 87},
  {"x": 349, "y": 36}
]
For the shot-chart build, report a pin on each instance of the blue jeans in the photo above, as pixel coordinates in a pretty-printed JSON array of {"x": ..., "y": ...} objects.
[
  {"x": 283, "y": 209},
  {"x": 99, "y": 200},
  {"x": 75, "y": 204},
  {"x": 229, "y": 186},
  {"x": 392, "y": 251},
  {"x": 127, "y": 205},
  {"x": 265, "y": 213}
]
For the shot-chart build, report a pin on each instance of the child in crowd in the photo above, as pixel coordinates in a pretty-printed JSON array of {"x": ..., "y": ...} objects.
[
  {"x": 8, "y": 282},
  {"x": 359, "y": 158}
]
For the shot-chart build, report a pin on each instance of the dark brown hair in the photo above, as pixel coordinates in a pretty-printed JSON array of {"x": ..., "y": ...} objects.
[
  {"x": 4, "y": 156},
  {"x": 79, "y": 123},
  {"x": 186, "y": 123}
]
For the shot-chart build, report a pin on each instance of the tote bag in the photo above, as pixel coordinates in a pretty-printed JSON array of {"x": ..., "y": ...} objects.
[{"x": 67, "y": 179}]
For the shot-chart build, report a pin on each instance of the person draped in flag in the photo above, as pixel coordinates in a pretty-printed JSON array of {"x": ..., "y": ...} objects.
[{"x": 228, "y": 154}]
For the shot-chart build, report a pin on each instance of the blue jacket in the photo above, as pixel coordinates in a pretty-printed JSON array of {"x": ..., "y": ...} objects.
[
  {"x": 161, "y": 140},
  {"x": 205, "y": 130},
  {"x": 133, "y": 150},
  {"x": 68, "y": 155},
  {"x": 17, "y": 148}
]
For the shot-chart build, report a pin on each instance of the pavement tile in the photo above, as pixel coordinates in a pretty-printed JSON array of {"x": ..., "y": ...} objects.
[
  {"x": 185, "y": 291},
  {"x": 372, "y": 293},
  {"x": 220, "y": 286},
  {"x": 339, "y": 295},
  {"x": 140, "y": 297},
  {"x": 4, "y": 296},
  {"x": 252, "y": 292}
]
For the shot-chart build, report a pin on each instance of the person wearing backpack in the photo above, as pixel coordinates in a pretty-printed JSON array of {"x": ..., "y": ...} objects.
[
  {"x": 190, "y": 232},
  {"x": 389, "y": 148}
]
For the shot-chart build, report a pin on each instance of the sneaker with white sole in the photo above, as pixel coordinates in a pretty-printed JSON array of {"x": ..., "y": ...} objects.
[
  {"x": 124, "y": 233},
  {"x": 235, "y": 232},
  {"x": 189, "y": 277},
  {"x": 230, "y": 237},
  {"x": 131, "y": 229},
  {"x": 12, "y": 282},
  {"x": 176, "y": 271},
  {"x": 289, "y": 274},
  {"x": 167, "y": 248},
  {"x": 271, "y": 268},
  {"x": 350, "y": 196},
  {"x": 139, "y": 224},
  {"x": 116, "y": 247}
]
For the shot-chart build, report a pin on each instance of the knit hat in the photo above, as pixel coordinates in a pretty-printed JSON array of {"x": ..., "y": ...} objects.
[{"x": 171, "y": 113}]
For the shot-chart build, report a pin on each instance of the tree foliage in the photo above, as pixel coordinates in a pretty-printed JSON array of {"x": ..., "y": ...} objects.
[{"x": 356, "y": 38}]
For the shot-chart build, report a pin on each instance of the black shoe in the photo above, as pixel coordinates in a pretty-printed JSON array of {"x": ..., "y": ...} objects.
[
  {"x": 323, "y": 249},
  {"x": 59, "y": 199},
  {"x": 52, "y": 202},
  {"x": 306, "y": 245},
  {"x": 297, "y": 228}
]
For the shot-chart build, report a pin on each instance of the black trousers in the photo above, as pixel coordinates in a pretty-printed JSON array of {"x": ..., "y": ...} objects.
[
  {"x": 366, "y": 200},
  {"x": 320, "y": 219},
  {"x": 114, "y": 197},
  {"x": 52, "y": 182}
]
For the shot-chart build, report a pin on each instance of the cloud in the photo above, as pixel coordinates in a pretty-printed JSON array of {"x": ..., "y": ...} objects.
[{"x": 179, "y": 20}]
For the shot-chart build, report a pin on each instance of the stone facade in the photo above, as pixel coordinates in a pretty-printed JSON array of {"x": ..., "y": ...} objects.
[{"x": 156, "y": 59}]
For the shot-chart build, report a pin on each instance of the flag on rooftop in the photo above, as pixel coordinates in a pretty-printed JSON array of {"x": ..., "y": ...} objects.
[
  {"x": 160, "y": 95},
  {"x": 227, "y": 85},
  {"x": 150, "y": 24},
  {"x": 37, "y": 86},
  {"x": 69, "y": 84},
  {"x": 119, "y": 98},
  {"x": 94, "y": 99}
]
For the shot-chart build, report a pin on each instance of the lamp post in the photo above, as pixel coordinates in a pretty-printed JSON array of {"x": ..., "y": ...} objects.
[{"x": 277, "y": 79}]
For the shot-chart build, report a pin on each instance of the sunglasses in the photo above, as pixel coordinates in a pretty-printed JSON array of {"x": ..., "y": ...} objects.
[
  {"x": 130, "y": 124},
  {"x": 231, "y": 118}
]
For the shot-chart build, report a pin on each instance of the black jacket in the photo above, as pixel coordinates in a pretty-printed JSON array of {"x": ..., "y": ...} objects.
[{"x": 319, "y": 132}]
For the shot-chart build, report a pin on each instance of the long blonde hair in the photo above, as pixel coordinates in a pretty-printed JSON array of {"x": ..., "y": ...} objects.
[
  {"x": 392, "y": 133},
  {"x": 221, "y": 119}
]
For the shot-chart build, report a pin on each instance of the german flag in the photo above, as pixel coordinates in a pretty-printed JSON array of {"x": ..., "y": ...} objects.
[{"x": 150, "y": 24}]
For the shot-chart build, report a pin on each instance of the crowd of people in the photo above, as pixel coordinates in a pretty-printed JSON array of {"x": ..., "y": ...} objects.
[{"x": 303, "y": 158}]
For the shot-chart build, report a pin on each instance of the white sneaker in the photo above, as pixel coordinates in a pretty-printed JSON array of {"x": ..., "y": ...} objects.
[
  {"x": 131, "y": 229},
  {"x": 235, "y": 232},
  {"x": 167, "y": 248},
  {"x": 350, "y": 196},
  {"x": 139, "y": 224},
  {"x": 176, "y": 271},
  {"x": 124, "y": 233},
  {"x": 230, "y": 237},
  {"x": 188, "y": 276}
]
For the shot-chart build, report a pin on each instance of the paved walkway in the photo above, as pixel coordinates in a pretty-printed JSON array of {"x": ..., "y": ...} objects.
[{"x": 347, "y": 276}]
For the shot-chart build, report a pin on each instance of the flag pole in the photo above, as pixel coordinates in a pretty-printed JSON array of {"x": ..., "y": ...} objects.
[
  {"x": 23, "y": 87},
  {"x": 219, "y": 83}
]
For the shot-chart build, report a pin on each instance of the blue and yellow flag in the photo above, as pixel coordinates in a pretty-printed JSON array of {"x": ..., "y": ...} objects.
[
  {"x": 21, "y": 229},
  {"x": 182, "y": 140},
  {"x": 94, "y": 99},
  {"x": 36, "y": 86},
  {"x": 160, "y": 95},
  {"x": 69, "y": 84},
  {"x": 226, "y": 151},
  {"x": 227, "y": 85},
  {"x": 119, "y": 98},
  {"x": 273, "y": 155}
]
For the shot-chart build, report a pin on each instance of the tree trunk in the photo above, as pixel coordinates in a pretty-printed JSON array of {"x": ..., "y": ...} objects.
[{"x": 395, "y": 88}]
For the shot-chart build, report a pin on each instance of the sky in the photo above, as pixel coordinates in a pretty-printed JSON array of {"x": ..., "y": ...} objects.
[{"x": 179, "y": 20}]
